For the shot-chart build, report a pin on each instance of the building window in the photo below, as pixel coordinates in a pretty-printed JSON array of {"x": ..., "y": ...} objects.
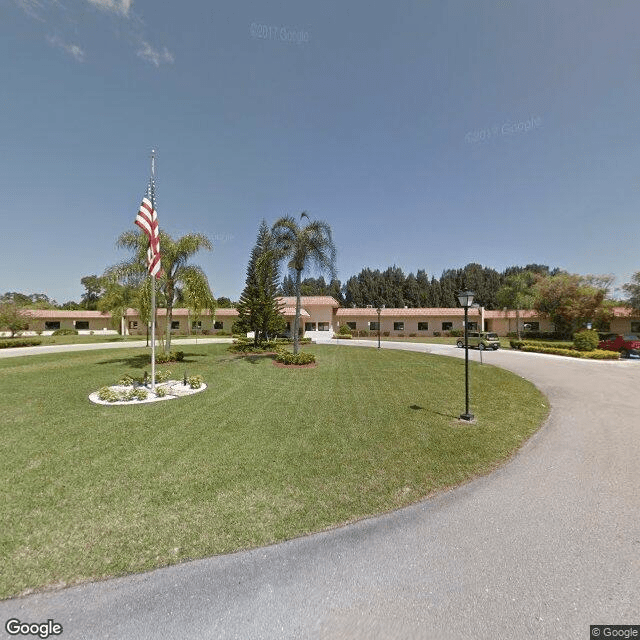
[
  {"x": 133, "y": 324},
  {"x": 175, "y": 324},
  {"x": 447, "y": 326},
  {"x": 323, "y": 326},
  {"x": 351, "y": 325},
  {"x": 309, "y": 326},
  {"x": 398, "y": 326},
  {"x": 82, "y": 324},
  {"x": 635, "y": 326},
  {"x": 472, "y": 326},
  {"x": 51, "y": 325},
  {"x": 196, "y": 324},
  {"x": 374, "y": 326},
  {"x": 423, "y": 326},
  {"x": 218, "y": 324}
]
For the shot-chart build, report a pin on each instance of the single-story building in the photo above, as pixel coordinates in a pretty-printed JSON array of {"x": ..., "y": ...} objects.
[{"x": 322, "y": 316}]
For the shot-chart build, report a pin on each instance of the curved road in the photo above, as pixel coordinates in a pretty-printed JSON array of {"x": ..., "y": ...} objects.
[{"x": 542, "y": 548}]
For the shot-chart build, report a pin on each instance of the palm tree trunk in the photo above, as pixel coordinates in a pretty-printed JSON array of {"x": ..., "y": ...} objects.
[
  {"x": 170, "y": 295},
  {"x": 296, "y": 322}
]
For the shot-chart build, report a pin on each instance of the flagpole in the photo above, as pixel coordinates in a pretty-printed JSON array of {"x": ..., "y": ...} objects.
[{"x": 153, "y": 279}]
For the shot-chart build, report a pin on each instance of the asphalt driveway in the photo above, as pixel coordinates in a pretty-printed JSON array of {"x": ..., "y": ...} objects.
[{"x": 542, "y": 548}]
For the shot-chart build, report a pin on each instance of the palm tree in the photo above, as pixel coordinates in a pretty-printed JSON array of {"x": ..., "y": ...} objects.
[
  {"x": 304, "y": 246},
  {"x": 175, "y": 255}
]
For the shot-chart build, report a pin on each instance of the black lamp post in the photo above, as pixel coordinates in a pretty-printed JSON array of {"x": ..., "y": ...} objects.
[
  {"x": 378, "y": 310},
  {"x": 466, "y": 299}
]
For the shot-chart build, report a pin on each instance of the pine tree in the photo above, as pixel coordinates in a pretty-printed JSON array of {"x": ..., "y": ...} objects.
[{"x": 259, "y": 308}]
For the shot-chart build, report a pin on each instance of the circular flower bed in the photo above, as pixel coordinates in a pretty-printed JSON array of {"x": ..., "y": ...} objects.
[{"x": 118, "y": 394}]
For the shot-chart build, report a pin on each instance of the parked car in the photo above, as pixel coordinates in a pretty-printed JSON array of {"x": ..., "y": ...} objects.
[
  {"x": 628, "y": 345},
  {"x": 481, "y": 339}
]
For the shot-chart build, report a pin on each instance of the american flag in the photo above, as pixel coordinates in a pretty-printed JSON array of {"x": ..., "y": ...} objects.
[{"x": 147, "y": 220}]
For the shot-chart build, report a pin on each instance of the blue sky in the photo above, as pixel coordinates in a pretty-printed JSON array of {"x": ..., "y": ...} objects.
[{"x": 428, "y": 135}]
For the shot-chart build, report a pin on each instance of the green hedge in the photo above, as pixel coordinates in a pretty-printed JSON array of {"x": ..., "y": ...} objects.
[
  {"x": 573, "y": 353},
  {"x": 163, "y": 358},
  {"x": 286, "y": 357},
  {"x": 22, "y": 342},
  {"x": 247, "y": 346},
  {"x": 65, "y": 332},
  {"x": 518, "y": 344}
]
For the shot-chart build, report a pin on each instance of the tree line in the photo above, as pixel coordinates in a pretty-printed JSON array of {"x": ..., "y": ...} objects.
[{"x": 392, "y": 288}]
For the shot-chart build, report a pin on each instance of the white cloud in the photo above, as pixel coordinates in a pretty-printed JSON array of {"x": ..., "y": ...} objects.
[
  {"x": 73, "y": 49},
  {"x": 116, "y": 6},
  {"x": 147, "y": 52},
  {"x": 31, "y": 7}
]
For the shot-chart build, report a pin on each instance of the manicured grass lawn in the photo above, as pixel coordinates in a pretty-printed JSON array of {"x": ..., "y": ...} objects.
[{"x": 264, "y": 454}]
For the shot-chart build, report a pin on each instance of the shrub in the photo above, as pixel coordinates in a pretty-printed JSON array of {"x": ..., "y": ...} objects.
[
  {"x": 127, "y": 381},
  {"x": 412, "y": 335},
  {"x": 436, "y": 334},
  {"x": 286, "y": 357},
  {"x": 601, "y": 354},
  {"x": 195, "y": 382},
  {"x": 342, "y": 336},
  {"x": 401, "y": 335},
  {"x": 456, "y": 333},
  {"x": 386, "y": 334},
  {"x": 107, "y": 394},
  {"x": 345, "y": 330},
  {"x": 161, "y": 392},
  {"x": 65, "y": 332},
  {"x": 23, "y": 342},
  {"x": 163, "y": 376},
  {"x": 518, "y": 344},
  {"x": 163, "y": 358},
  {"x": 586, "y": 340},
  {"x": 573, "y": 353},
  {"x": 247, "y": 346}
]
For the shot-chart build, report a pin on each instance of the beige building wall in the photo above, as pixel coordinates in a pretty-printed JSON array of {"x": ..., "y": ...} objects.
[
  {"x": 321, "y": 319},
  {"x": 502, "y": 326},
  {"x": 396, "y": 323}
]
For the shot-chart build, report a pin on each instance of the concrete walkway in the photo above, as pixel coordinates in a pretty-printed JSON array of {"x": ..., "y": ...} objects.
[
  {"x": 15, "y": 352},
  {"x": 542, "y": 548}
]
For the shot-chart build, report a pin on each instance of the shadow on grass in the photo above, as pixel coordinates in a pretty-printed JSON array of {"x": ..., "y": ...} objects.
[
  {"x": 417, "y": 407},
  {"x": 144, "y": 360},
  {"x": 255, "y": 358}
]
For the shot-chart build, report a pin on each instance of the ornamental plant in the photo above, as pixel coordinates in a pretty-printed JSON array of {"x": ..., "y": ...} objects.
[
  {"x": 302, "y": 357},
  {"x": 195, "y": 382},
  {"x": 586, "y": 340}
]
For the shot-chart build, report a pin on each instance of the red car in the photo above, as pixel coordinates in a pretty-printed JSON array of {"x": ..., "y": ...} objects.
[{"x": 626, "y": 345}]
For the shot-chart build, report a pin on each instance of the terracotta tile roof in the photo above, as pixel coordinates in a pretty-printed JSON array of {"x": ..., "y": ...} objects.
[
  {"x": 181, "y": 311},
  {"x": 291, "y": 311},
  {"x": 64, "y": 313},
  {"x": 405, "y": 313},
  {"x": 510, "y": 313},
  {"x": 290, "y": 301}
]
